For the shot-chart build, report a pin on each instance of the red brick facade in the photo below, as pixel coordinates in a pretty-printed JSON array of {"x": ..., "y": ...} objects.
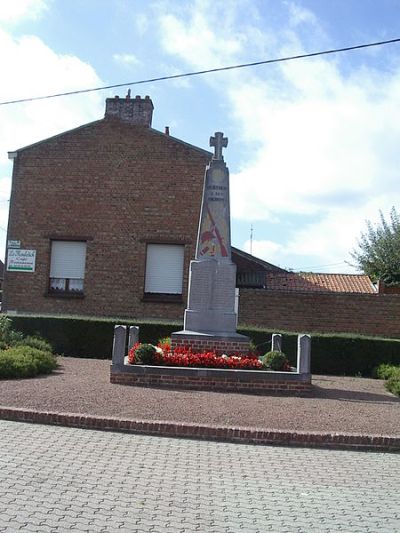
[
  {"x": 117, "y": 186},
  {"x": 367, "y": 314}
]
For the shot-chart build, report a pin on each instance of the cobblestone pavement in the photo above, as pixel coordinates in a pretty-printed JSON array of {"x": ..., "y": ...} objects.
[{"x": 65, "y": 479}]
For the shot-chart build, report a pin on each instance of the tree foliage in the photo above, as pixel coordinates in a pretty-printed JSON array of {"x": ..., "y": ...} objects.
[{"x": 378, "y": 253}]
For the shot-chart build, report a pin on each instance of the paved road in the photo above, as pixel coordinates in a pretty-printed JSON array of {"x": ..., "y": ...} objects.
[{"x": 63, "y": 479}]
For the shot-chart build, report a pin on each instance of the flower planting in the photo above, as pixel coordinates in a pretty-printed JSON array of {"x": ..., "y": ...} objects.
[{"x": 162, "y": 355}]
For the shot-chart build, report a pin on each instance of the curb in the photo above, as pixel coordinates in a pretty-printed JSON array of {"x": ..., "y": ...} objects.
[{"x": 345, "y": 441}]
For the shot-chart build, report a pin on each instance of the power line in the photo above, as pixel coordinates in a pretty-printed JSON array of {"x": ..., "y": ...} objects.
[{"x": 207, "y": 71}]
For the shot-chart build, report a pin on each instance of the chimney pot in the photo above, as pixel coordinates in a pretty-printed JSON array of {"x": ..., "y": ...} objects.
[
  {"x": 166, "y": 130},
  {"x": 137, "y": 111}
]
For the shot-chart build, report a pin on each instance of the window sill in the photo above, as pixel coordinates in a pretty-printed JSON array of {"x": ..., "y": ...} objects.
[
  {"x": 163, "y": 298},
  {"x": 70, "y": 295}
]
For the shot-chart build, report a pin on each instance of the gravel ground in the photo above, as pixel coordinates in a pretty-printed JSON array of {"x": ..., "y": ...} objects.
[{"x": 337, "y": 404}]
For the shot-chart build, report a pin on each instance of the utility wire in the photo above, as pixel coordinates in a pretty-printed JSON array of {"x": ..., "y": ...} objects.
[{"x": 208, "y": 71}]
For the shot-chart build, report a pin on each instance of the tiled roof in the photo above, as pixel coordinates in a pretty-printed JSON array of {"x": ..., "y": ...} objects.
[{"x": 311, "y": 282}]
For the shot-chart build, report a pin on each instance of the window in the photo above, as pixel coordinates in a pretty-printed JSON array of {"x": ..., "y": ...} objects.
[
  {"x": 164, "y": 269},
  {"x": 67, "y": 267}
]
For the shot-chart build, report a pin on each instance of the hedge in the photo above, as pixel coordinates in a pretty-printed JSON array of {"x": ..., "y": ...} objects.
[
  {"x": 85, "y": 337},
  {"x": 330, "y": 354}
]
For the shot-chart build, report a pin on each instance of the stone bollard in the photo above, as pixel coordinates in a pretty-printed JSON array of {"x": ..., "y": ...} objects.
[
  {"x": 133, "y": 336},
  {"x": 304, "y": 354},
  {"x": 276, "y": 344},
  {"x": 119, "y": 345}
]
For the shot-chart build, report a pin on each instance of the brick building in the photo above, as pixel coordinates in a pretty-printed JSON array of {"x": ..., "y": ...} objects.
[
  {"x": 110, "y": 212},
  {"x": 111, "y": 209},
  {"x": 103, "y": 222}
]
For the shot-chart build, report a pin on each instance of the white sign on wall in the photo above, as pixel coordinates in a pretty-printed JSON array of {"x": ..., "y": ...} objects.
[
  {"x": 21, "y": 260},
  {"x": 13, "y": 243}
]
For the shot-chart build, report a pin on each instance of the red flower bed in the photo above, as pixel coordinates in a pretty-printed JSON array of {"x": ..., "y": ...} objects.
[{"x": 164, "y": 356}]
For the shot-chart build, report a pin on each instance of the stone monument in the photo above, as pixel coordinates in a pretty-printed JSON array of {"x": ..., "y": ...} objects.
[{"x": 210, "y": 317}]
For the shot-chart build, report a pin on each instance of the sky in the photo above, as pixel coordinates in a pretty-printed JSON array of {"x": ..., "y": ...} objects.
[{"x": 313, "y": 144}]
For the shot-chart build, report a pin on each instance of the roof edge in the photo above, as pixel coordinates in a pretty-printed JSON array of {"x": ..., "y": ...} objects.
[
  {"x": 192, "y": 146},
  {"x": 257, "y": 260},
  {"x": 38, "y": 143}
]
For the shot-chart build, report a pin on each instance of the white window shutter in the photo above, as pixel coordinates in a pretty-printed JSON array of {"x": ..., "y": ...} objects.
[
  {"x": 68, "y": 259},
  {"x": 164, "y": 268}
]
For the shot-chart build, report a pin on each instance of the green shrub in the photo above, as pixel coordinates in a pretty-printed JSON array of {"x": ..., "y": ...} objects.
[
  {"x": 35, "y": 342},
  {"x": 145, "y": 354},
  {"x": 253, "y": 348},
  {"x": 385, "y": 371},
  {"x": 274, "y": 360},
  {"x": 16, "y": 365},
  {"x": 25, "y": 362},
  {"x": 391, "y": 374},
  {"x": 8, "y": 336},
  {"x": 46, "y": 362},
  {"x": 393, "y": 384}
]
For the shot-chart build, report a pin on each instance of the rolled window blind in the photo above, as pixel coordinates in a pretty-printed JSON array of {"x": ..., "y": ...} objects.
[
  {"x": 68, "y": 259},
  {"x": 164, "y": 268}
]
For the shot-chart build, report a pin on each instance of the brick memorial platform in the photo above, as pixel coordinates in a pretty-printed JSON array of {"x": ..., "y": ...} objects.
[{"x": 212, "y": 379}]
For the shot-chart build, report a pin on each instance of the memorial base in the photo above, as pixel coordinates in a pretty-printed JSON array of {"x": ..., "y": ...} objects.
[
  {"x": 212, "y": 379},
  {"x": 221, "y": 343}
]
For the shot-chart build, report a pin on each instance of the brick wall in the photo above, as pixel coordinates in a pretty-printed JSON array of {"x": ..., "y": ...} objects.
[
  {"x": 368, "y": 314},
  {"x": 220, "y": 346},
  {"x": 244, "y": 381},
  {"x": 117, "y": 185}
]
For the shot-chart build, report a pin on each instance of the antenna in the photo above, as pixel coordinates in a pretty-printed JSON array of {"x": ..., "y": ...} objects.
[{"x": 251, "y": 239}]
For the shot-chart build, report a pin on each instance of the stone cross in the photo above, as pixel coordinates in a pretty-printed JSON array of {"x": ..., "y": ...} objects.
[{"x": 219, "y": 142}]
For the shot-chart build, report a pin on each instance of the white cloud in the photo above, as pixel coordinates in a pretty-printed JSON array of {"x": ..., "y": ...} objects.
[
  {"x": 13, "y": 11},
  {"x": 318, "y": 151},
  {"x": 141, "y": 22},
  {"x": 316, "y": 141},
  {"x": 30, "y": 68},
  {"x": 126, "y": 59},
  {"x": 271, "y": 251},
  {"x": 207, "y": 34},
  {"x": 29, "y": 59},
  {"x": 300, "y": 15}
]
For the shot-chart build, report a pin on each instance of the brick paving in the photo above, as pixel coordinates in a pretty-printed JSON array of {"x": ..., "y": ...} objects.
[{"x": 69, "y": 479}]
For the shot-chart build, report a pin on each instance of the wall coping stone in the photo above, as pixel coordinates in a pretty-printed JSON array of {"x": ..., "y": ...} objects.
[{"x": 218, "y": 373}]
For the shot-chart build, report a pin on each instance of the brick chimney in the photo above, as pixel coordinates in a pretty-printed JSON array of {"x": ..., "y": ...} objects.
[{"x": 137, "y": 111}]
